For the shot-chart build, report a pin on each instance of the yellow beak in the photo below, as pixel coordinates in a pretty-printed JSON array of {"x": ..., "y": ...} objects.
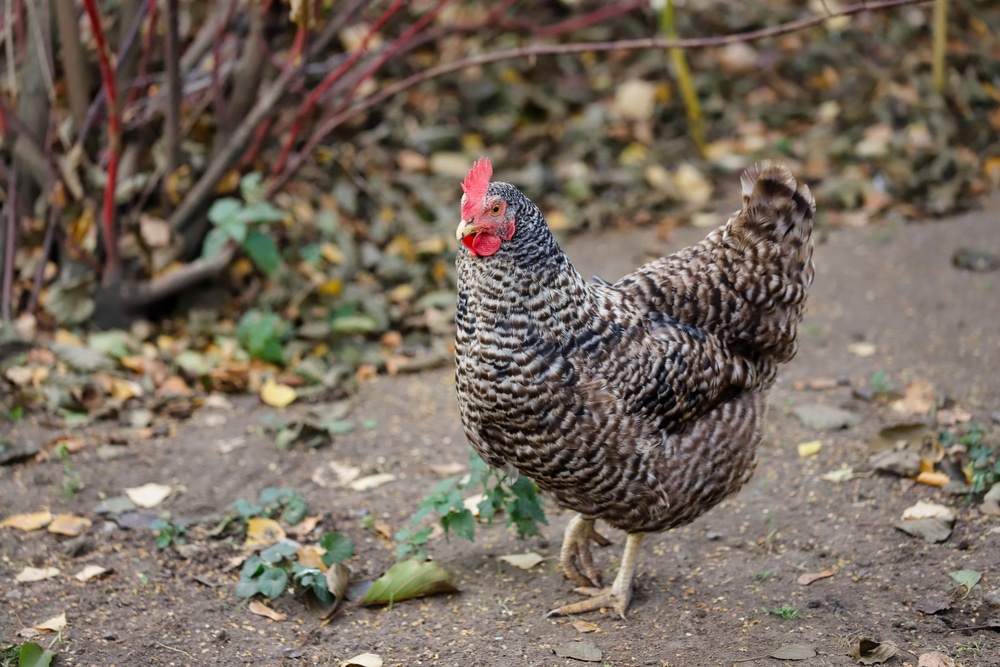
[{"x": 465, "y": 228}]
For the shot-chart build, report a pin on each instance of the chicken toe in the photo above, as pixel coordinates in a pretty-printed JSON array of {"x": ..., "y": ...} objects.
[
  {"x": 618, "y": 595},
  {"x": 575, "y": 558}
]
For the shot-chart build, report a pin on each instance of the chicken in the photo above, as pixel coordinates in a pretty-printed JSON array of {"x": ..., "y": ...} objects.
[{"x": 640, "y": 403}]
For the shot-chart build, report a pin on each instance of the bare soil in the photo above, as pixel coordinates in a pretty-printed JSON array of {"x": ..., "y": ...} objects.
[{"x": 702, "y": 592}]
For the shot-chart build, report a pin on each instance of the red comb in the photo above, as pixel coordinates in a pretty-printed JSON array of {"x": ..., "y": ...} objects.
[{"x": 475, "y": 185}]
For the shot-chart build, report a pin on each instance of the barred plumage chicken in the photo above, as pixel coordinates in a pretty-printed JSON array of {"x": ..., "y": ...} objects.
[{"x": 640, "y": 403}]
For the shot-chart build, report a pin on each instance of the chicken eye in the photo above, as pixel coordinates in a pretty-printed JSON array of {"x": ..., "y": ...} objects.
[{"x": 496, "y": 209}]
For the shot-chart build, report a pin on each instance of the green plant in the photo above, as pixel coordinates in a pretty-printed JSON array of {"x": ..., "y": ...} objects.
[
  {"x": 271, "y": 501},
  {"x": 974, "y": 647},
  {"x": 232, "y": 219},
  {"x": 261, "y": 333},
  {"x": 763, "y": 575},
  {"x": 785, "y": 612},
  {"x": 518, "y": 498},
  {"x": 880, "y": 384},
  {"x": 270, "y": 572},
  {"x": 167, "y": 533},
  {"x": 71, "y": 479}
]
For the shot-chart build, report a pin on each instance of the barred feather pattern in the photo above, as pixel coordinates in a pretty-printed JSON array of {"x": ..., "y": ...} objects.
[{"x": 641, "y": 403}]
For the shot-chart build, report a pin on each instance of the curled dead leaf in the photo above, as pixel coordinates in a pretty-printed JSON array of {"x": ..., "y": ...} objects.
[
  {"x": 809, "y": 577},
  {"x": 277, "y": 395},
  {"x": 524, "y": 561},
  {"x": 149, "y": 495},
  {"x": 261, "y": 609},
  {"x": 32, "y": 574}
]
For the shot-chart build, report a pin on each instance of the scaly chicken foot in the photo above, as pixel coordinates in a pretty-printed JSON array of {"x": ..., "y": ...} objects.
[
  {"x": 619, "y": 594},
  {"x": 575, "y": 558}
]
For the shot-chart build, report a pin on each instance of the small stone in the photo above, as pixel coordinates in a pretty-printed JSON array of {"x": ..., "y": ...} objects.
[
  {"x": 825, "y": 417},
  {"x": 992, "y": 598}
]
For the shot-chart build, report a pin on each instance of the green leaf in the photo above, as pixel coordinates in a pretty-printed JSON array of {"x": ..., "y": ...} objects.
[
  {"x": 278, "y": 552},
  {"x": 409, "y": 579},
  {"x": 353, "y": 324},
  {"x": 295, "y": 510},
  {"x": 251, "y": 186},
  {"x": 463, "y": 523},
  {"x": 338, "y": 548},
  {"x": 966, "y": 578},
  {"x": 259, "y": 213},
  {"x": 272, "y": 583},
  {"x": 247, "y": 509},
  {"x": 263, "y": 251},
  {"x": 214, "y": 241},
  {"x": 223, "y": 212},
  {"x": 32, "y": 655}
]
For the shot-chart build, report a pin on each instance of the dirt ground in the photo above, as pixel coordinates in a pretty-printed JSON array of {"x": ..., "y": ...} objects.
[{"x": 702, "y": 592}]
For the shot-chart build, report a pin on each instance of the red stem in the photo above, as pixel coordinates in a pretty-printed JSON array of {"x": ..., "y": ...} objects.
[
  {"x": 114, "y": 141},
  {"x": 328, "y": 81}
]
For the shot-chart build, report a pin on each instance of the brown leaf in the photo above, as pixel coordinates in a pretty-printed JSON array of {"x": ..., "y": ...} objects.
[
  {"x": 870, "y": 652},
  {"x": 794, "y": 652},
  {"x": 809, "y": 577},
  {"x": 261, "y": 609},
  {"x": 584, "y": 626},
  {"x": 935, "y": 659},
  {"x": 69, "y": 524},
  {"x": 29, "y": 521}
]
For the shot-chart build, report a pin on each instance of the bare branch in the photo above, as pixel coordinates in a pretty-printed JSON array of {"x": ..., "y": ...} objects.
[
  {"x": 173, "y": 118},
  {"x": 73, "y": 61}
]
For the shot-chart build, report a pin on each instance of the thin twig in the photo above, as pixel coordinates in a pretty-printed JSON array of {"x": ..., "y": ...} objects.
[
  {"x": 8, "y": 250},
  {"x": 114, "y": 141},
  {"x": 329, "y": 125},
  {"x": 328, "y": 81},
  {"x": 50, "y": 228},
  {"x": 172, "y": 55}
]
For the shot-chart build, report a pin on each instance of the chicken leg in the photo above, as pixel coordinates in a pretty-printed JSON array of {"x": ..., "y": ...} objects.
[
  {"x": 619, "y": 594},
  {"x": 575, "y": 558}
]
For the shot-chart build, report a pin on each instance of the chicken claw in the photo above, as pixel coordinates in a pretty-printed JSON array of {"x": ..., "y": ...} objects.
[
  {"x": 575, "y": 554},
  {"x": 618, "y": 595}
]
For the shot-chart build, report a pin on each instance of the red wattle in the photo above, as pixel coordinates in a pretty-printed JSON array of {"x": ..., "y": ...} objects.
[{"x": 482, "y": 244}]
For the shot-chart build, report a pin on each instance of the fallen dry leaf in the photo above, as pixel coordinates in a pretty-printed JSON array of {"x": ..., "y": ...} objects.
[
  {"x": 935, "y": 659},
  {"x": 810, "y": 448},
  {"x": 149, "y": 495},
  {"x": 918, "y": 399},
  {"x": 363, "y": 660},
  {"x": 794, "y": 652},
  {"x": 584, "y": 651},
  {"x": 862, "y": 349},
  {"x": 309, "y": 555},
  {"x": 926, "y": 510},
  {"x": 809, "y": 577},
  {"x": 584, "y": 626},
  {"x": 933, "y": 478},
  {"x": 69, "y": 525},
  {"x": 448, "y": 469},
  {"x": 89, "y": 572},
  {"x": 28, "y": 521},
  {"x": 371, "y": 481},
  {"x": 870, "y": 652},
  {"x": 54, "y": 624},
  {"x": 30, "y": 574},
  {"x": 524, "y": 561},
  {"x": 263, "y": 532},
  {"x": 841, "y": 474},
  {"x": 261, "y": 609},
  {"x": 277, "y": 395}
]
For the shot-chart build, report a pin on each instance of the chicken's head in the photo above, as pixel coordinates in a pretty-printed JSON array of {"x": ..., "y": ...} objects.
[{"x": 487, "y": 216}]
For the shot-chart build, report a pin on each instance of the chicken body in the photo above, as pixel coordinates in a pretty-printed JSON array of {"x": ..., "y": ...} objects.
[{"x": 640, "y": 403}]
